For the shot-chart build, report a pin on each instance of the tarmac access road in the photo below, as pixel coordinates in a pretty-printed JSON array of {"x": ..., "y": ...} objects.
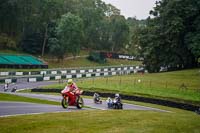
[{"x": 26, "y": 85}]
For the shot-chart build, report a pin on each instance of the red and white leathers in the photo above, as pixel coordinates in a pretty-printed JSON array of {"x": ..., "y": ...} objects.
[{"x": 73, "y": 88}]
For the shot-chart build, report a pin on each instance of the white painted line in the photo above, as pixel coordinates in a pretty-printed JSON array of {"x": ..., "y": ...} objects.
[
  {"x": 112, "y": 69},
  {"x": 90, "y": 70},
  {"x": 4, "y": 73},
  {"x": 97, "y": 74},
  {"x": 57, "y": 77},
  {"x": 118, "y": 68},
  {"x": 33, "y": 113},
  {"x": 105, "y": 70},
  {"x": 43, "y": 72},
  {"x": 68, "y": 76},
  {"x": 88, "y": 75},
  {"x": 78, "y": 75},
  {"x": 82, "y": 71},
  {"x": 73, "y": 71},
  {"x": 32, "y": 80},
  {"x": 19, "y": 73},
  {"x": 46, "y": 78},
  {"x": 8, "y": 80},
  {"x": 98, "y": 70},
  {"x": 114, "y": 73},
  {"x": 105, "y": 74},
  {"x": 53, "y": 72},
  {"x": 63, "y": 72}
]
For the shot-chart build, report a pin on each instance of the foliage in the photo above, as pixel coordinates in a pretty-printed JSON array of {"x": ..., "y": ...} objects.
[
  {"x": 96, "y": 56},
  {"x": 171, "y": 36},
  {"x": 119, "y": 33},
  {"x": 7, "y": 42},
  {"x": 30, "y": 24},
  {"x": 70, "y": 33}
]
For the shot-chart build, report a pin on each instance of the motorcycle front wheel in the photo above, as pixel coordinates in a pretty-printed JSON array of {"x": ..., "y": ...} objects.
[
  {"x": 80, "y": 103},
  {"x": 64, "y": 103}
]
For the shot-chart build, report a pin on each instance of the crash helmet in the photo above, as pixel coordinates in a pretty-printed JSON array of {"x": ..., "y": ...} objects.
[
  {"x": 69, "y": 81},
  {"x": 116, "y": 95}
]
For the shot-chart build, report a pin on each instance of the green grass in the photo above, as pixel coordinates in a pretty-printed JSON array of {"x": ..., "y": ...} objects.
[
  {"x": 84, "y": 62},
  {"x": 115, "y": 121},
  {"x": 76, "y": 63},
  {"x": 158, "y": 85},
  {"x": 10, "y": 97}
]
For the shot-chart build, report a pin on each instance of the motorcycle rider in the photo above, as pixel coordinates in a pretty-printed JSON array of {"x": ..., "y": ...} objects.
[
  {"x": 117, "y": 98},
  {"x": 96, "y": 96},
  {"x": 73, "y": 87},
  {"x": 109, "y": 102}
]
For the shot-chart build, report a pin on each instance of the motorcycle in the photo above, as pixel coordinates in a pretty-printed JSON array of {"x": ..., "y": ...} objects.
[
  {"x": 117, "y": 105},
  {"x": 97, "y": 99},
  {"x": 71, "y": 98}
]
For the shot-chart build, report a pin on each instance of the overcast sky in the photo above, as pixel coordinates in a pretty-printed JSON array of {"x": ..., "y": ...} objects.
[{"x": 132, "y": 8}]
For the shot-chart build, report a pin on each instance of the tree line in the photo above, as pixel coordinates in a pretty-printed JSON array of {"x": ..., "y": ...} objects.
[
  {"x": 170, "y": 37},
  {"x": 46, "y": 26}
]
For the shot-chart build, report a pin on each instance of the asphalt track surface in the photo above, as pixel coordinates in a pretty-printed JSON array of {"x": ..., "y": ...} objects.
[
  {"x": 26, "y": 85},
  {"x": 22, "y": 108},
  {"x": 17, "y": 108}
]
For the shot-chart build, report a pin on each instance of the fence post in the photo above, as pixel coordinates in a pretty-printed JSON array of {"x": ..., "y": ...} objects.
[
  {"x": 150, "y": 83},
  {"x": 120, "y": 81},
  {"x": 134, "y": 82},
  {"x": 107, "y": 80},
  {"x": 93, "y": 82}
]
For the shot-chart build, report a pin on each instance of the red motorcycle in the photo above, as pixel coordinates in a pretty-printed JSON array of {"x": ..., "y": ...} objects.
[{"x": 72, "y": 98}]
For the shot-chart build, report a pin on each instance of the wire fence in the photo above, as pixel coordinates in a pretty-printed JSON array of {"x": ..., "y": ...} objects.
[{"x": 138, "y": 83}]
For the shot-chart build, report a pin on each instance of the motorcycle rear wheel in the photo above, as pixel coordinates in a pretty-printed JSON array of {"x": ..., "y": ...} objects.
[
  {"x": 80, "y": 103},
  {"x": 64, "y": 103}
]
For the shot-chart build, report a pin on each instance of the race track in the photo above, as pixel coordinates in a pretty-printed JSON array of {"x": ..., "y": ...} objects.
[
  {"x": 19, "y": 108},
  {"x": 13, "y": 108},
  {"x": 26, "y": 85}
]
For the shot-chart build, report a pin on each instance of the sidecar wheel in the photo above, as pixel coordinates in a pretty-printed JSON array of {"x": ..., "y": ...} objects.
[{"x": 64, "y": 103}]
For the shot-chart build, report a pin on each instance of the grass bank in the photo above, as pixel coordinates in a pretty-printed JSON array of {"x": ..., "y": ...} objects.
[
  {"x": 114, "y": 121},
  {"x": 69, "y": 62},
  {"x": 180, "y": 86}
]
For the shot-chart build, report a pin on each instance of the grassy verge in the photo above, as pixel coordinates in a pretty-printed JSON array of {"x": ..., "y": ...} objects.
[
  {"x": 78, "y": 62},
  {"x": 84, "y": 62},
  {"x": 103, "y": 121},
  {"x": 10, "y": 97}
]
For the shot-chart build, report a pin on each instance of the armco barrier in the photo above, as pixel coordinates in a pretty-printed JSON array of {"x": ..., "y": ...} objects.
[{"x": 69, "y": 73}]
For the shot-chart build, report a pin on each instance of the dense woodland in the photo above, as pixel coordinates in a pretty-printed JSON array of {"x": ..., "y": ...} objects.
[{"x": 170, "y": 37}]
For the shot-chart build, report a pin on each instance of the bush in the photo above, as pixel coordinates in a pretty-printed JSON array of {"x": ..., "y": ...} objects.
[{"x": 96, "y": 57}]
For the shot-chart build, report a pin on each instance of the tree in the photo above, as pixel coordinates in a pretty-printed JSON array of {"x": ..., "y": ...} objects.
[
  {"x": 135, "y": 26},
  {"x": 70, "y": 33},
  {"x": 49, "y": 11},
  {"x": 119, "y": 33},
  {"x": 172, "y": 35}
]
